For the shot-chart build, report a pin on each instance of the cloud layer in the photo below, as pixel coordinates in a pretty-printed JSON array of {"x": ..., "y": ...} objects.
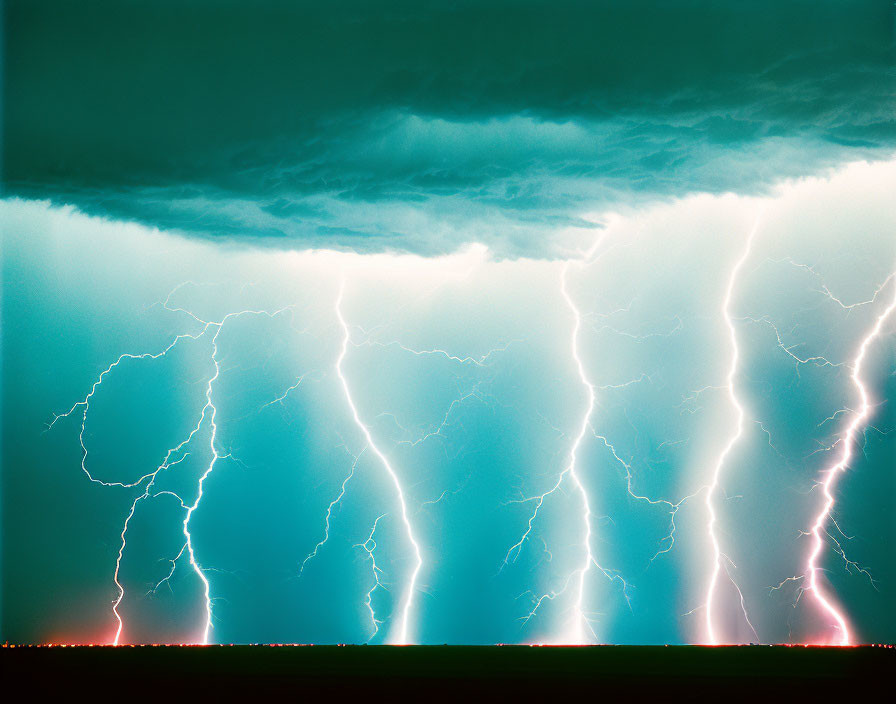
[{"x": 420, "y": 127}]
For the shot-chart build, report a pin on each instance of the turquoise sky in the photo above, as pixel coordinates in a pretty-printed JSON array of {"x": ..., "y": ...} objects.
[{"x": 530, "y": 290}]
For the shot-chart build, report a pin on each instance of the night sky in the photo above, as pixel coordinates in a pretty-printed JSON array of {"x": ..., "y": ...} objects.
[{"x": 457, "y": 322}]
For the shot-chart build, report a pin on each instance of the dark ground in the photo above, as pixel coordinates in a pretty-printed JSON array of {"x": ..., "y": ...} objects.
[{"x": 172, "y": 672}]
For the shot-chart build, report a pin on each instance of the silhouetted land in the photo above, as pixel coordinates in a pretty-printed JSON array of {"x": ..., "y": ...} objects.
[{"x": 148, "y": 671}]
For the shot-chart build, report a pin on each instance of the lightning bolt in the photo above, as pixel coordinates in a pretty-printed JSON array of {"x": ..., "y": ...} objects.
[
  {"x": 282, "y": 397},
  {"x": 208, "y": 413},
  {"x": 369, "y": 546},
  {"x": 124, "y": 530},
  {"x": 673, "y": 508},
  {"x": 577, "y": 578},
  {"x": 479, "y": 361},
  {"x": 211, "y": 411},
  {"x": 578, "y": 634},
  {"x": 151, "y": 477},
  {"x": 85, "y": 405},
  {"x": 832, "y": 473},
  {"x": 329, "y": 514},
  {"x": 191, "y": 554},
  {"x": 732, "y": 440},
  {"x": 408, "y": 598},
  {"x": 818, "y": 360}
]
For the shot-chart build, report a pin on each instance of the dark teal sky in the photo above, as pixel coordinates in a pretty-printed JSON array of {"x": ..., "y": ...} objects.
[
  {"x": 357, "y": 124},
  {"x": 165, "y": 164}
]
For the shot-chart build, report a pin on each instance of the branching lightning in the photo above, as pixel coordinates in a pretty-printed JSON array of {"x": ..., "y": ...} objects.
[
  {"x": 369, "y": 546},
  {"x": 402, "y": 635},
  {"x": 667, "y": 542},
  {"x": 832, "y": 474},
  {"x": 733, "y": 365},
  {"x": 479, "y": 361},
  {"x": 201, "y": 442},
  {"x": 578, "y": 634},
  {"x": 206, "y": 414},
  {"x": 333, "y": 503},
  {"x": 578, "y": 578}
]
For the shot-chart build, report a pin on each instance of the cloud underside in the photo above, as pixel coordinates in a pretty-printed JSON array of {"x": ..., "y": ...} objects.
[{"x": 420, "y": 127}]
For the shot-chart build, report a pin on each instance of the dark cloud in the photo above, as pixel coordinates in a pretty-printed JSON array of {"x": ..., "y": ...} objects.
[{"x": 421, "y": 125}]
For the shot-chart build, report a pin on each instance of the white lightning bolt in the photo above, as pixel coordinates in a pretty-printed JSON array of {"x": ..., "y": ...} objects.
[
  {"x": 408, "y": 599},
  {"x": 85, "y": 404},
  {"x": 732, "y": 440},
  {"x": 208, "y": 411},
  {"x": 369, "y": 546},
  {"x": 282, "y": 397},
  {"x": 212, "y": 410},
  {"x": 669, "y": 538},
  {"x": 329, "y": 515},
  {"x": 578, "y": 633},
  {"x": 831, "y": 474},
  {"x": 578, "y": 578},
  {"x": 479, "y": 361},
  {"x": 124, "y": 530}
]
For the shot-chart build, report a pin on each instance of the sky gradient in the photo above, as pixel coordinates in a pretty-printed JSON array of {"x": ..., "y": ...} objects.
[{"x": 534, "y": 291}]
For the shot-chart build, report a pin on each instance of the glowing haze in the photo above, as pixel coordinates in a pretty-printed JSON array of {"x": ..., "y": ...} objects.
[{"x": 518, "y": 334}]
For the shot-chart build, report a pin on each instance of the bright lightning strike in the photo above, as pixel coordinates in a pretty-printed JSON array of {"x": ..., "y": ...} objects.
[
  {"x": 575, "y": 581},
  {"x": 832, "y": 474},
  {"x": 733, "y": 365},
  {"x": 369, "y": 546},
  {"x": 406, "y": 608},
  {"x": 577, "y": 632},
  {"x": 124, "y": 530},
  {"x": 191, "y": 554},
  {"x": 207, "y": 414}
]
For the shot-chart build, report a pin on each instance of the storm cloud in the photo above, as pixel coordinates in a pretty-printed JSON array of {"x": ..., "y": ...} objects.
[{"x": 424, "y": 126}]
